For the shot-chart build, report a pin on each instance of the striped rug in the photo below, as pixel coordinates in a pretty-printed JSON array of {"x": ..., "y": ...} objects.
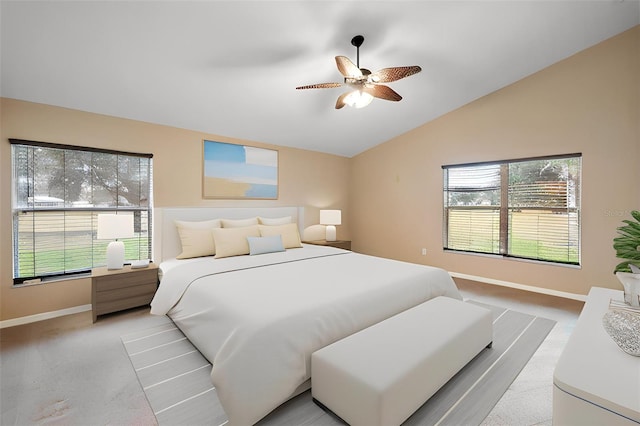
[{"x": 176, "y": 379}]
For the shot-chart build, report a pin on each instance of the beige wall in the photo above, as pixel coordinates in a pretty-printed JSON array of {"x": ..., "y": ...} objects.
[
  {"x": 588, "y": 103},
  {"x": 308, "y": 179}
]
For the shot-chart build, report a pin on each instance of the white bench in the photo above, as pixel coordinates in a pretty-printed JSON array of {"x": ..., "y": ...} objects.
[{"x": 383, "y": 374}]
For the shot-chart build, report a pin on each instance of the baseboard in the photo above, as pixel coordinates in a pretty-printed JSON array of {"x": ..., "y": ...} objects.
[
  {"x": 44, "y": 316},
  {"x": 548, "y": 291}
]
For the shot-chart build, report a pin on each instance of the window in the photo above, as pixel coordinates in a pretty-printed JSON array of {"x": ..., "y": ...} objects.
[
  {"x": 528, "y": 209},
  {"x": 59, "y": 190}
]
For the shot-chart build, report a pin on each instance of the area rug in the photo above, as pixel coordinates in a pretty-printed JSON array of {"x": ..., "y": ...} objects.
[{"x": 176, "y": 379}]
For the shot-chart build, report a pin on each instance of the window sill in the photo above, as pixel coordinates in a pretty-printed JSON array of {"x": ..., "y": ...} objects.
[
  {"x": 514, "y": 259},
  {"x": 52, "y": 280}
]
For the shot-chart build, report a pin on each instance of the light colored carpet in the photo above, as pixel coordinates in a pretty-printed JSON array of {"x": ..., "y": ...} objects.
[
  {"x": 69, "y": 371},
  {"x": 175, "y": 378}
]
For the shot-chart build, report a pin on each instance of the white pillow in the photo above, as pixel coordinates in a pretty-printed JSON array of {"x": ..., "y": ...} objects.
[
  {"x": 289, "y": 233},
  {"x": 238, "y": 223},
  {"x": 275, "y": 221},
  {"x": 233, "y": 241},
  {"x": 196, "y": 238},
  {"x": 262, "y": 245}
]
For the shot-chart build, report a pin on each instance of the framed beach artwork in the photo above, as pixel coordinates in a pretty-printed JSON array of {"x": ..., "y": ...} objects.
[{"x": 239, "y": 171}]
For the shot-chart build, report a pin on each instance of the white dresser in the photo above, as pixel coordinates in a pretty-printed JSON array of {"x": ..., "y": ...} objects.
[{"x": 595, "y": 382}]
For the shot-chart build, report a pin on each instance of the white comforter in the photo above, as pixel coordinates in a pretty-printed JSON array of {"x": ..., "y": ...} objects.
[{"x": 259, "y": 318}]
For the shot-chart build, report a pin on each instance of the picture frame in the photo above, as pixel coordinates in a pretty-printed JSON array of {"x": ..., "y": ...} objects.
[{"x": 234, "y": 171}]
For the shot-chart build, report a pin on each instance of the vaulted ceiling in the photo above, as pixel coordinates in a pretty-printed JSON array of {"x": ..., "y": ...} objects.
[{"x": 231, "y": 67}]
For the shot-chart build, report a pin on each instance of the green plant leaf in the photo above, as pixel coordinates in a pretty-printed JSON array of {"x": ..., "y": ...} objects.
[
  {"x": 631, "y": 226},
  {"x": 624, "y": 266},
  {"x": 627, "y": 229},
  {"x": 624, "y": 246},
  {"x": 627, "y": 242}
]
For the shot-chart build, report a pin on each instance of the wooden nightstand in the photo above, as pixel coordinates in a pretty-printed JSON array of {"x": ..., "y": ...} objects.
[
  {"x": 343, "y": 244},
  {"x": 119, "y": 289}
]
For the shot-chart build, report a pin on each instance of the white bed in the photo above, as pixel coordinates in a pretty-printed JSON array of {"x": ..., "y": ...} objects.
[{"x": 259, "y": 318}]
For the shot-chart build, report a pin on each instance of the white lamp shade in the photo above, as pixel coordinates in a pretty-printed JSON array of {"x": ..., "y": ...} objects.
[
  {"x": 330, "y": 217},
  {"x": 112, "y": 226}
]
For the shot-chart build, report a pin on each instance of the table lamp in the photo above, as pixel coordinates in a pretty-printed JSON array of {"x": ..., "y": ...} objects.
[
  {"x": 330, "y": 218},
  {"x": 112, "y": 227}
]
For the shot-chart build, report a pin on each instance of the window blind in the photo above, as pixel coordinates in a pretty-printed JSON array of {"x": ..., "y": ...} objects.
[
  {"x": 473, "y": 217},
  {"x": 58, "y": 192}
]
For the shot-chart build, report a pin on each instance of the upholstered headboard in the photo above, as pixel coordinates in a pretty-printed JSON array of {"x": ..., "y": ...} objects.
[{"x": 166, "y": 242}]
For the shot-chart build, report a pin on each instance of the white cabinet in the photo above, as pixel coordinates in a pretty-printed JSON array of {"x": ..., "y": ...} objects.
[{"x": 595, "y": 382}]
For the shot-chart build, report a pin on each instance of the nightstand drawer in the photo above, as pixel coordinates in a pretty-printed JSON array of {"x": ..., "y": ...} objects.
[
  {"x": 126, "y": 292},
  {"x": 116, "y": 281},
  {"x": 122, "y": 304}
]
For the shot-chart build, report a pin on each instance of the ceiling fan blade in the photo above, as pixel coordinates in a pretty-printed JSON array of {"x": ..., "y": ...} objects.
[
  {"x": 383, "y": 92},
  {"x": 320, "y": 86},
  {"x": 347, "y": 68},
  {"x": 388, "y": 75},
  {"x": 340, "y": 102}
]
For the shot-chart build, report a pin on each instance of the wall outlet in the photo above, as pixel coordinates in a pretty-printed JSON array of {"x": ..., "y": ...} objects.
[{"x": 424, "y": 251}]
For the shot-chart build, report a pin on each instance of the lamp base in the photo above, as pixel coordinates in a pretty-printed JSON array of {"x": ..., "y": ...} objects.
[
  {"x": 115, "y": 255},
  {"x": 331, "y": 233}
]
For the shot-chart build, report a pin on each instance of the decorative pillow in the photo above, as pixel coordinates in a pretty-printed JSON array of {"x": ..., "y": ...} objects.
[
  {"x": 262, "y": 245},
  {"x": 238, "y": 223},
  {"x": 289, "y": 233},
  {"x": 196, "y": 238},
  {"x": 233, "y": 241},
  {"x": 275, "y": 221}
]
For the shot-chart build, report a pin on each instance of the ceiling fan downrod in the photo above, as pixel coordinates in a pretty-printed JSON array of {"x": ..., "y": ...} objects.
[{"x": 357, "y": 42}]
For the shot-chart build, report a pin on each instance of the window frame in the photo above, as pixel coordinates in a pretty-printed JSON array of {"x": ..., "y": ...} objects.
[
  {"x": 504, "y": 210},
  {"x": 138, "y": 211}
]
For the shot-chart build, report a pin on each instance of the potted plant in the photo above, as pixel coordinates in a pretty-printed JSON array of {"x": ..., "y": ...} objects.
[{"x": 627, "y": 245}]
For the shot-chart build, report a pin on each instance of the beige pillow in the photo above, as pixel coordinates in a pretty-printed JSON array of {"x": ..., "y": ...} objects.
[
  {"x": 275, "y": 221},
  {"x": 289, "y": 232},
  {"x": 238, "y": 223},
  {"x": 233, "y": 241},
  {"x": 196, "y": 238}
]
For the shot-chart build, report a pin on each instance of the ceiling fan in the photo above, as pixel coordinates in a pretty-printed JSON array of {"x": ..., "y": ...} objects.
[{"x": 365, "y": 85}]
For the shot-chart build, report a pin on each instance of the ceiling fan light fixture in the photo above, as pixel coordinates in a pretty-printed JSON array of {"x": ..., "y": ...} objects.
[{"x": 358, "y": 99}]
